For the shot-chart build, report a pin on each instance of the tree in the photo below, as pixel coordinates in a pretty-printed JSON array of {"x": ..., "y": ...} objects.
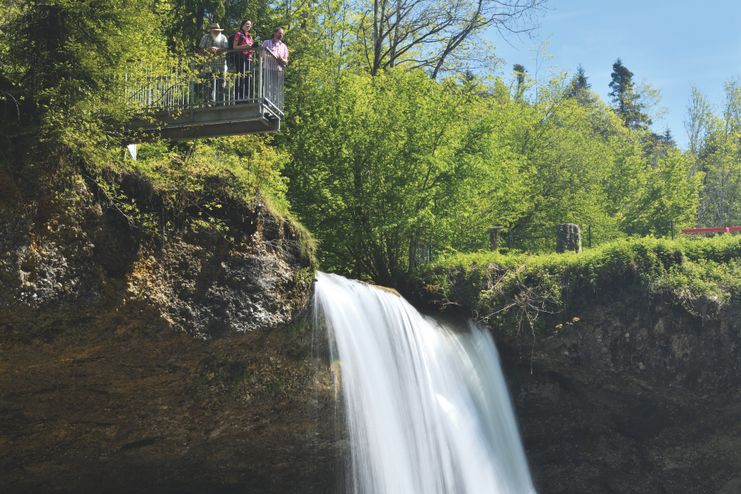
[
  {"x": 625, "y": 98},
  {"x": 572, "y": 162},
  {"x": 66, "y": 63},
  {"x": 186, "y": 20},
  {"x": 520, "y": 74},
  {"x": 667, "y": 138},
  {"x": 580, "y": 88},
  {"x": 667, "y": 198},
  {"x": 428, "y": 33},
  {"x": 580, "y": 80},
  {"x": 720, "y": 160},
  {"x": 368, "y": 171},
  {"x": 699, "y": 116},
  {"x": 656, "y": 146}
]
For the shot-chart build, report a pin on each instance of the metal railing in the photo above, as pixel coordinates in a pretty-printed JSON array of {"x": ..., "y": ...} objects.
[
  {"x": 272, "y": 79},
  {"x": 181, "y": 85}
]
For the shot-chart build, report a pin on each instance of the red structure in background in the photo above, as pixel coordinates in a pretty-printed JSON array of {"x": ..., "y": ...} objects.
[{"x": 718, "y": 229}]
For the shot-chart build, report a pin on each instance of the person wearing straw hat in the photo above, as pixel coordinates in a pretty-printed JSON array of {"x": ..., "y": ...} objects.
[{"x": 212, "y": 46}]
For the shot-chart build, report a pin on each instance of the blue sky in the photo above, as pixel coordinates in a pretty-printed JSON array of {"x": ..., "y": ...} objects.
[{"x": 672, "y": 45}]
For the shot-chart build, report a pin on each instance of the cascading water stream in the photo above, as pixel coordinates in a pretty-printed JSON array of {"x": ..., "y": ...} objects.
[{"x": 426, "y": 404}]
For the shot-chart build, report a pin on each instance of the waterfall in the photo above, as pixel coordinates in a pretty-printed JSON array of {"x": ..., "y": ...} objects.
[{"x": 426, "y": 405}]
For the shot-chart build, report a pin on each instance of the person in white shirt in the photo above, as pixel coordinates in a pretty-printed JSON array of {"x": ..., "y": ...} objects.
[{"x": 277, "y": 47}]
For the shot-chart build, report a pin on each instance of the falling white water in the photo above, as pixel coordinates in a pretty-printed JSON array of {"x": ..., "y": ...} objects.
[{"x": 426, "y": 404}]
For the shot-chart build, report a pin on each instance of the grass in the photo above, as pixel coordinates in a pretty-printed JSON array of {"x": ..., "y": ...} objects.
[
  {"x": 702, "y": 275},
  {"x": 246, "y": 168},
  {"x": 208, "y": 185}
]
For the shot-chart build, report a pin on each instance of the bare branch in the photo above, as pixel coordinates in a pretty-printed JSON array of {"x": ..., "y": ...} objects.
[{"x": 427, "y": 33}]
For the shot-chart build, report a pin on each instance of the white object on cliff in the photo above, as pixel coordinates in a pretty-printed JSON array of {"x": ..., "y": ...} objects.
[{"x": 132, "y": 150}]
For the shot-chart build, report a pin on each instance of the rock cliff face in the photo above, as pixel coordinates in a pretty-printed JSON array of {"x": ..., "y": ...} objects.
[
  {"x": 67, "y": 253},
  {"x": 176, "y": 360},
  {"x": 142, "y": 360},
  {"x": 627, "y": 393}
]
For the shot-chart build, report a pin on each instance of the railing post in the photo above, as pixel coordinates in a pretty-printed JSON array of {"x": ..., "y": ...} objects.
[{"x": 261, "y": 64}]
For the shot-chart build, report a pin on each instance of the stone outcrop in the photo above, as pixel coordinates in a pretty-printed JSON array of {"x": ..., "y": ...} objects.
[
  {"x": 72, "y": 254},
  {"x": 568, "y": 238},
  {"x": 631, "y": 395},
  {"x": 142, "y": 360}
]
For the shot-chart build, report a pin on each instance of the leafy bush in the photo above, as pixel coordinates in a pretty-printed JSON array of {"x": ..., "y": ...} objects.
[
  {"x": 213, "y": 185},
  {"x": 703, "y": 275},
  {"x": 250, "y": 167}
]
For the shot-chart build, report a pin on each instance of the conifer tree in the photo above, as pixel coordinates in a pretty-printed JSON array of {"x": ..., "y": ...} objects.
[
  {"x": 579, "y": 88},
  {"x": 520, "y": 72},
  {"x": 580, "y": 79},
  {"x": 667, "y": 138},
  {"x": 625, "y": 98}
]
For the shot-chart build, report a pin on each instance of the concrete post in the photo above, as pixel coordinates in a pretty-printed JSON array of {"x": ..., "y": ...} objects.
[{"x": 568, "y": 238}]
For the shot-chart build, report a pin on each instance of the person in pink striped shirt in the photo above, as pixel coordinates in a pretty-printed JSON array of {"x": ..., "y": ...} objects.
[{"x": 277, "y": 47}]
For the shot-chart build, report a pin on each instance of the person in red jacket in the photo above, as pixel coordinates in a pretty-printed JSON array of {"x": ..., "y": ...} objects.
[{"x": 243, "y": 42}]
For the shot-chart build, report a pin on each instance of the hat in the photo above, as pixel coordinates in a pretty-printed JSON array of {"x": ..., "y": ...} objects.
[{"x": 214, "y": 27}]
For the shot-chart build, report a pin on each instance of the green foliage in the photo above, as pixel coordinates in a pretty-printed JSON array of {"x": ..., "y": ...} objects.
[
  {"x": 704, "y": 287},
  {"x": 373, "y": 167},
  {"x": 717, "y": 155},
  {"x": 185, "y": 21},
  {"x": 667, "y": 199},
  {"x": 390, "y": 171},
  {"x": 218, "y": 187},
  {"x": 702, "y": 274},
  {"x": 579, "y": 88},
  {"x": 63, "y": 64},
  {"x": 247, "y": 166}
]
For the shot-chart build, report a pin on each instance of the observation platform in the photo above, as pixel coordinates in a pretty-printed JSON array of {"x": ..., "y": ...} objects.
[{"x": 183, "y": 101}]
